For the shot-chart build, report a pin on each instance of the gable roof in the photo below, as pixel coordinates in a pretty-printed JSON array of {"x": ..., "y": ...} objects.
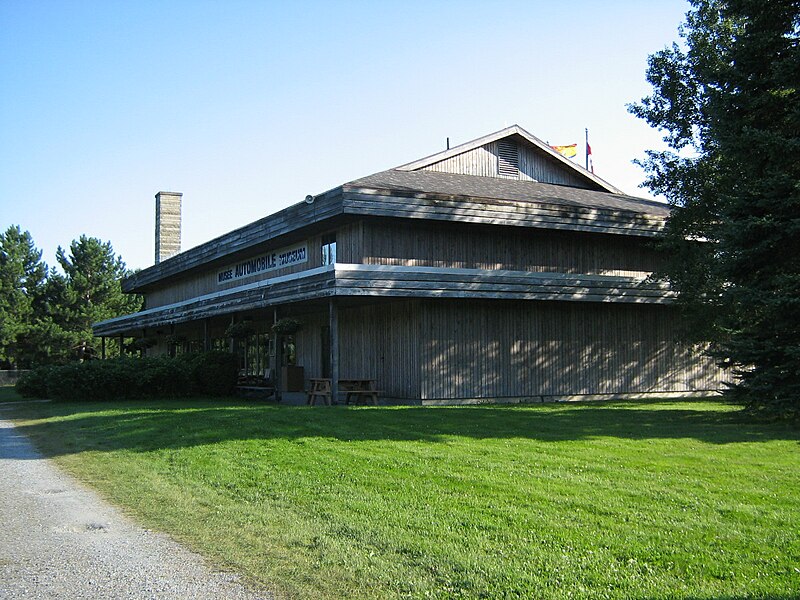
[
  {"x": 411, "y": 190},
  {"x": 518, "y": 134},
  {"x": 472, "y": 188}
]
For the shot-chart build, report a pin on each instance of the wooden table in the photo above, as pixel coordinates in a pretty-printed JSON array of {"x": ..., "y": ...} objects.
[
  {"x": 357, "y": 389},
  {"x": 319, "y": 387}
]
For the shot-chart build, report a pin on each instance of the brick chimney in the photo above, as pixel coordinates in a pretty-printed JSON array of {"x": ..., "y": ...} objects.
[{"x": 168, "y": 224}]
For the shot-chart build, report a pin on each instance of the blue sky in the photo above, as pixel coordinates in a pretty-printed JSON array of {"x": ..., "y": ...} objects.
[{"x": 247, "y": 106}]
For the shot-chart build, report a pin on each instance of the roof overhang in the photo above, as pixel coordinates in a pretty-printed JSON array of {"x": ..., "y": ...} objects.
[{"x": 391, "y": 281}]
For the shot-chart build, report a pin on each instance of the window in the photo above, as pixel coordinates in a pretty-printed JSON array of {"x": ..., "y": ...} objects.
[{"x": 328, "y": 249}]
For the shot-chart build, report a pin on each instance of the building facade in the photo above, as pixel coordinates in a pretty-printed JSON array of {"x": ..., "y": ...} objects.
[{"x": 497, "y": 270}]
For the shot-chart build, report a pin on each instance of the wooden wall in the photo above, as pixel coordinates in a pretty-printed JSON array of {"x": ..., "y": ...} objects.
[
  {"x": 382, "y": 341},
  {"x": 523, "y": 349},
  {"x": 440, "y": 349},
  {"x": 348, "y": 248},
  {"x": 533, "y": 165},
  {"x": 473, "y": 349},
  {"x": 308, "y": 342},
  {"x": 470, "y": 247}
]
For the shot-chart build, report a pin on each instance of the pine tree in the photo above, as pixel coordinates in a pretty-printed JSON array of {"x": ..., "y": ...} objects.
[
  {"x": 728, "y": 101},
  {"x": 22, "y": 285},
  {"x": 88, "y": 292}
]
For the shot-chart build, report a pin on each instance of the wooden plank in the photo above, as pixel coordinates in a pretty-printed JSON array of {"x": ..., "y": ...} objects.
[
  {"x": 333, "y": 323},
  {"x": 511, "y": 362},
  {"x": 624, "y": 207},
  {"x": 539, "y": 218},
  {"x": 532, "y": 220},
  {"x": 493, "y": 249},
  {"x": 243, "y": 239}
]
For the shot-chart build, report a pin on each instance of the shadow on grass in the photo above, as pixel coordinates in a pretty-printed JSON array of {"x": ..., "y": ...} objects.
[
  {"x": 147, "y": 426},
  {"x": 749, "y": 597}
]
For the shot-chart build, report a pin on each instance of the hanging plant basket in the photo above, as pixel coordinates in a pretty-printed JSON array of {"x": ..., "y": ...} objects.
[
  {"x": 239, "y": 330},
  {"x": 287, "y": 326},
  {"x": 174, "y": 340}
]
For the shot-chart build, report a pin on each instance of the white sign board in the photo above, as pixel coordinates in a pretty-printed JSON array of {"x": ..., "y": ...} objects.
[{"x": 263, "y": 263}]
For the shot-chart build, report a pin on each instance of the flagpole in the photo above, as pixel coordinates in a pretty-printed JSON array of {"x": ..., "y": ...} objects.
[{"x": 587, "y": 148}]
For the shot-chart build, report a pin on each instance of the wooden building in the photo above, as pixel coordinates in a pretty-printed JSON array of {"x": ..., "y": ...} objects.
[{"x": 495, "y": 270}]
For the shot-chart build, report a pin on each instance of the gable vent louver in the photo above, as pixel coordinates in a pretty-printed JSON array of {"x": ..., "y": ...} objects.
[{"x": 507, "y": 159}]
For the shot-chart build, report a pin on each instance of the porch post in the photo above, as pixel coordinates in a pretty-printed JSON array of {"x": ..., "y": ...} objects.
[
  {"x": 103, "y": 347},
  {"x": 333, "y": 323},
  {"x": 278, "y": 356},
  {"x": 121, "y": 340},
  {"x": 206, "y": 338}
]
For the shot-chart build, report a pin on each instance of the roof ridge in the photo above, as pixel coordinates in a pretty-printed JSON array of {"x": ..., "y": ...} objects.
[{"x": 504, "y": 133}]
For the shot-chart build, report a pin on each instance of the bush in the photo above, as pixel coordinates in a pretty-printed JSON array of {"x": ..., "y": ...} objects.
[
  {"x": 163, "y": 377},
  {"x": 33, "y": 384},
  {"x": 95, "y": 380},
  {"x": 209, "y": 373},
  {"x": 213, "y": 373}
]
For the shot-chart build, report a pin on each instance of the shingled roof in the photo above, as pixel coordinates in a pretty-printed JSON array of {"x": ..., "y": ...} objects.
[
  {"x": 591, "y": 205},
  {"x": 470, "y": 186}
]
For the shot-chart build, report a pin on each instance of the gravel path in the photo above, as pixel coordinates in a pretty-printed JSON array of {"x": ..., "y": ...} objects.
[{"x": 60, "y": 540}]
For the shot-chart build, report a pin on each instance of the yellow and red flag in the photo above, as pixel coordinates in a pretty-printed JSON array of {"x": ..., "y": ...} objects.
[{"x": 570, "y": 151}]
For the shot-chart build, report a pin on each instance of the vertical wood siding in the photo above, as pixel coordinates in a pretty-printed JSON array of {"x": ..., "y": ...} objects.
[
  {"x": 308, "y": 342},
  {"x": 500, "y": 349},
  {"x": 480, "y": 161},
  {"x": 443, "y": 349},
  {"x": 382, "y": 341},
  {"x": 462, "y": 246},
  {"x": 348, "y": 248},
  {"x": 533, "y": 166}
]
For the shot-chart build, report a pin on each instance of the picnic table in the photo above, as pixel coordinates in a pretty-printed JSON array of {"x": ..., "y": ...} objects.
[
  {"x": 355, "y": 390},
  {"x": 319, "y": 387},
  {"x": 359, "y": 389}
]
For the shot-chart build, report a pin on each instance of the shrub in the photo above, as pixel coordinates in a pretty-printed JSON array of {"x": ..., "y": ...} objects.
[
  {"x": 33, "y": 384},
  {"x": 209, "y": 373},
  {"x": 213, "y": 373},
  {"x": 164, "y": 377},
  {"x": 95, "y": 380}
]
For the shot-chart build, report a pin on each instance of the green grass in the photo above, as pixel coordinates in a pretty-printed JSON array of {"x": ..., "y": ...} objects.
[{"x": 626, "y": 500}]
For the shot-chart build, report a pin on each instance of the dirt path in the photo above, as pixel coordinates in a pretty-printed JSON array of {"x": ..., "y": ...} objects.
[{"x": 60, "y": 540}]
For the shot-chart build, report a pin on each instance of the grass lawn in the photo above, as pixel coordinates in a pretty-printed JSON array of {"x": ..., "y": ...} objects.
[{"x": 613, "y": 500}]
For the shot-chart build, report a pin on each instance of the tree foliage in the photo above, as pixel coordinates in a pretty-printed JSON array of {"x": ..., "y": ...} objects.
[
  {"x": 22, "y": 289},
  {"x": 728, "y": 102},
  {"x": 89, "y": 291},
  {"x": 46, "y": 316}
]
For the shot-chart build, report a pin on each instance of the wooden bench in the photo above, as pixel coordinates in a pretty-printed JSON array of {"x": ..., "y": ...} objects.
[
  {"x": 320, "y": 387},
  {"x": 355, "y": 391},
  {"x": 357, "y": 395},
  {"x": 358, "y": 390},
  {"x": 255, "y": 391},
  {"x": 252, "y": 386}
]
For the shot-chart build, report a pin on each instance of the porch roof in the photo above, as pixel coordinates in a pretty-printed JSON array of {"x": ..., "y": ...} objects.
[{"x": 343, "y": 280}]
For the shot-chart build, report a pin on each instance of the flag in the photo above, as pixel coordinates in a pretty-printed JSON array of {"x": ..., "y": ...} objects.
[
  {"x": 589, "y": 161},
  {"x": 570, "y": 151}
]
